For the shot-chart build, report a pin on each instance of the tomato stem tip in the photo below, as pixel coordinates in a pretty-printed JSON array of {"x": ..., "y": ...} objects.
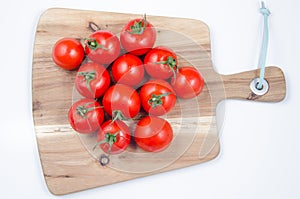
[
  {"x": 83, "y": 110},
  {"x": 138, "y": 28},
  {"x": 156, "y": 100},
  {"x": 88, "y": 76},
  {"x": 93, "y": 44},
  {"x": 118, "y": 115}
]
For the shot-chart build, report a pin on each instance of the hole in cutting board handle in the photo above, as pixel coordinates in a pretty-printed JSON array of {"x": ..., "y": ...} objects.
[{"x": 259, "y": 91}]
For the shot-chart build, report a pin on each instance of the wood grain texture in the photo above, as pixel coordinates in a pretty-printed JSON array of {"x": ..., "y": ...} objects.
[
  {"x": 273, "y": 75},
  {"x": 69, "y": 164}
]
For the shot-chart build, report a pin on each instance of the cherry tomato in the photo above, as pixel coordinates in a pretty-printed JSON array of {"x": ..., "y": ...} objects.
[
  {"x": 114, "y": 136},
  {"x": 123, "y": 100},
  {"x": 153, "y": 134},
  {"x": 188, "y": 82},
  {"x": 67, "y": 53},
  {"x": 157, "y": 97},
  {"x": 128, "y": 69},
  {"x": 160, "y": 62},
  {"x": 102, "y": 47},
  {"x": 138, "y": 36},
  {"x": 86, "y": 116},
  {"x": 92, "y": 80}
]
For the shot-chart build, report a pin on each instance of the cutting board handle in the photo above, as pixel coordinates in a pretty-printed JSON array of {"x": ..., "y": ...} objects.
[{"x": 237, "y": 86}]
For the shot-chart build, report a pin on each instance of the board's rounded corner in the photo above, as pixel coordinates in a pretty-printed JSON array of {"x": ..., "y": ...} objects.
[
  {"x": 52, "y": 190},
  {"x": 212, "y": 154},
  {"x": 203, "y": 24},
  {"x": 218, "y": 152},
  {"x": 281, "y": 81},
  {"x": 46, "y": 11}
]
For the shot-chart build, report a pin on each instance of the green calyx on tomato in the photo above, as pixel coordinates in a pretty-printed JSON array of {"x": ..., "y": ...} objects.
[
  {"x": 171, "y": 62},
  {"x": 118, "y": 115},
  {"x": 93, "y": 44},
  {"x": 156, "y": 100},
  {"x": 110, "y": 138},
  {"x": 138, "y": 27},
  {"x": 83, "y": 110},
  {"x": 88, "y": 76}
]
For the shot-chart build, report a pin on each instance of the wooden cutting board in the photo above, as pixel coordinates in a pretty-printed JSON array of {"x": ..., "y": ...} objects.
[{"x": 69, "y": 165}]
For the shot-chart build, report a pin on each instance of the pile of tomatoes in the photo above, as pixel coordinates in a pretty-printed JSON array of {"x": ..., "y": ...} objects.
[{"x": 121, "y": 76}]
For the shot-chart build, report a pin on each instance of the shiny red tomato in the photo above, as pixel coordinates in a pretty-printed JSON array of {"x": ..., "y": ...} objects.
[
  {"x": 153, "y": 134},
  {"x": 92, "y": 80},
  {"x": 138, "y": 36},
  {"x": 161, "y": 62},
  {"x": 67, "y": 53},
  {"x": 128, "y": 69},
  {"x": 114, "y": 137},
  {"x": 157, "y": 97},
  {"x": 86, "y": 116},
  {"x": 121, "y": 99},
  {"x": 102, "y": 47},
  {"x": 188, "y": 82}
]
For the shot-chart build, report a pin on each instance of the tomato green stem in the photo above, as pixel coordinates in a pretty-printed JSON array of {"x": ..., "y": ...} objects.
[
  {"x": 118, "y": 115},
  {"x": 156, "y": 100},
  {"x": 110, "y": 139},
  {"x": 88, "y": 76},
  {"x": 171, "y": 62},
  {"x": 93, "y": 44},
  {"x": 83, "y": 110},
  {"x": 138, "y": 28}
]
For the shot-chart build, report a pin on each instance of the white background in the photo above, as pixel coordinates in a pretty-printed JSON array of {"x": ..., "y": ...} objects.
[{"x": 260, "y": 147}]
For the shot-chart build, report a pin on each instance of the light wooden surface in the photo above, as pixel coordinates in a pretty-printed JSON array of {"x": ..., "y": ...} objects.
[{"x": 69, "y": 164}]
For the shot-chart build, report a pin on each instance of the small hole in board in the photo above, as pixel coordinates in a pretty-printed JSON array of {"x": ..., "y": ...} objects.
[
  {"x": 259, "y": 91},
  {"x": 256, "y": 86}
]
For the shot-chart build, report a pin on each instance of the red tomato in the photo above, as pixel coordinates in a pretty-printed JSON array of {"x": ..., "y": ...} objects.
[
  {"x": 188, "y": 82},
  {"x": 138, "y": 36},
  {"x": 102, "y": 47},
  {"x": 67, "y": 53},
  {"x": 153, "y": 134},
  {"x": 121, "y": 99},
  {"x": 160, "y": 63},
  {"x": 92, "y": 80},
  {"x": 114, "y": 136},
  {"x": 128, "y": 69},
  {"x": 157, "y": 97},
  {"x": 86, "y": 116}
]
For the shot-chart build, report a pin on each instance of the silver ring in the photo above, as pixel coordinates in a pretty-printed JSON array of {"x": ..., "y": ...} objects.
[{"x": 257, "y": 91}]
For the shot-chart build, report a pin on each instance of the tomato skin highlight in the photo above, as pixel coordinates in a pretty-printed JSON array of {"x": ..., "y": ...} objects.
[
  {"x": 157, "y": 97},
  {"x": 161, "y": 62},
  {"x": 128, "y": 69},
  {"x": 153, "y": 134},
  {"x": 92, "y": 80},
  {"x": 85, "y": 116},
  {"x": 188, "y": 83},
  {"x": 122, "y": 136},
  {"x": 138, "y": 43},
  {"x": 121, "y": 97},
  {"x": 68, "y": 53},
  {"x": 102, "y": 47}
]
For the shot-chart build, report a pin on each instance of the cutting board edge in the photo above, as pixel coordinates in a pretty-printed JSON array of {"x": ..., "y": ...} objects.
[{"x": 56, "y": 192}]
